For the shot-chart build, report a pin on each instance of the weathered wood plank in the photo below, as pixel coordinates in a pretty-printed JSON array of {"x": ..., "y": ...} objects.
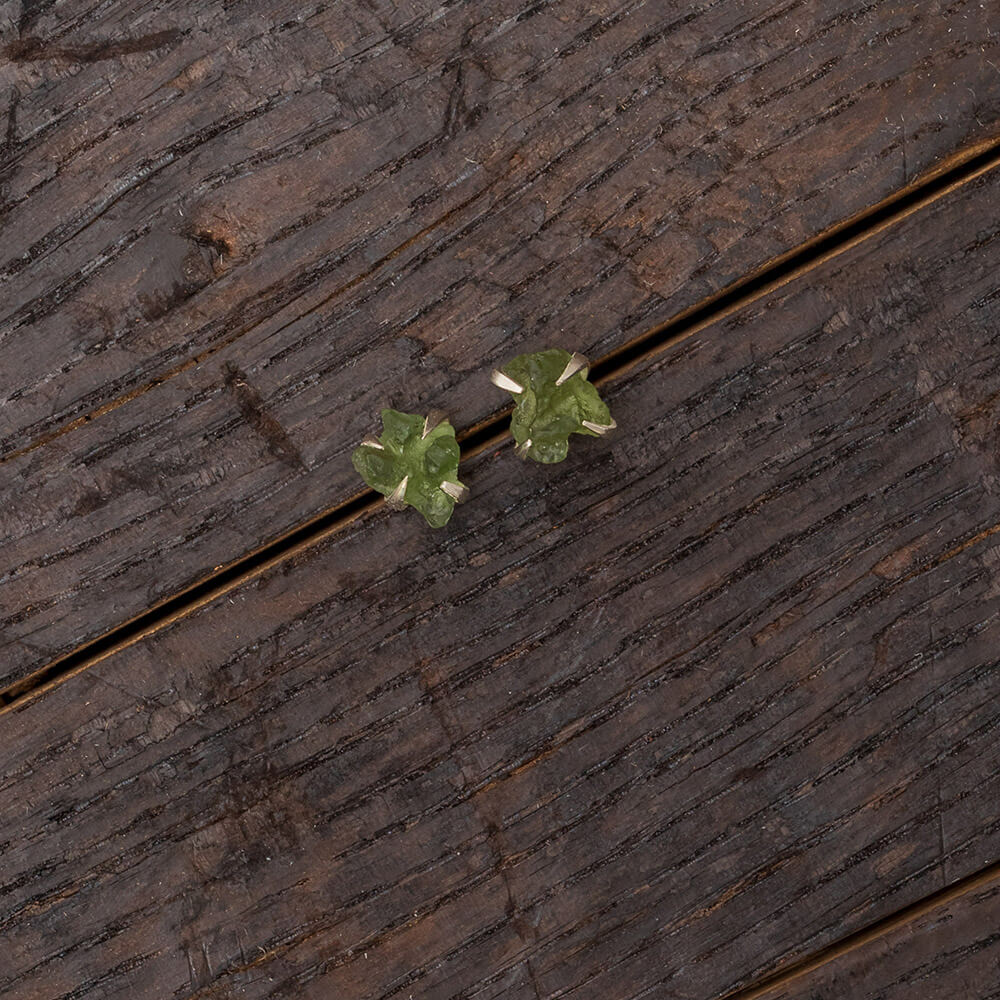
[
  {"x": 952, "y": 951},
  {"x": 695, "y": 702},
  {"x": 372, "y": 211},
  {"x": 181, "y": 182}
]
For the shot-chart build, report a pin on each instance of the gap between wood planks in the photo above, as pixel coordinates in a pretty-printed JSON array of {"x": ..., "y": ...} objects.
[
  {"x": 907, "y": 914},
  {"x": 960, "y": 169}
]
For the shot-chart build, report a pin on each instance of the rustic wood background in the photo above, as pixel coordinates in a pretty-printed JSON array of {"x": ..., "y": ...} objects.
[
  {"x": 373, "y": 210},
  {"x": 709, "y": 710}
]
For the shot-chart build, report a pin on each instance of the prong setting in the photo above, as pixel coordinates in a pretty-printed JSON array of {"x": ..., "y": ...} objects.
[
  {"x": 576, "y": 363},
  {"x": 432, "y": 420},
  {"x": 558, "y": 401},
  {"x": 601, "y": 429},
  {"x": 410, "y": 462},
  {"x": 505, "y": 382},
  {"x": 456, "y": 491},
  {"x": 397, "y": 498}
]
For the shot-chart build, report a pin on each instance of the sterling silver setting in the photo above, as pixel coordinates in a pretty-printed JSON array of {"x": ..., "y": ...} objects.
[
  {"x": 456, "y": 491},
  {"x": 397, "y": 498},
  {"x": 505, "y": 382},
  {"x": 576, "y": 363},
  {"x": 432, "y": 420},
  {"x": 601, "y": 429}
]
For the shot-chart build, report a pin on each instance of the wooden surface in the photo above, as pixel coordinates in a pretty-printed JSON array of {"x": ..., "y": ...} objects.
[
  {"x": 654, "y": 722},
  {"x": 232, "y": 233},
  {"x": 952, "y": 951}
]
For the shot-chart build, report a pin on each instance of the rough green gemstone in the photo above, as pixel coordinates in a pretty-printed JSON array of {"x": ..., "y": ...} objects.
[
  {"x": 545, "y": 413},
  {"x": 427, "y": 461}
]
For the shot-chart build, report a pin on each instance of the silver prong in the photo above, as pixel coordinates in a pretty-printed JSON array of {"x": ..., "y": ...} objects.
[
  {"x": 576, "y": 363},
  {"x": 397, "y": 498},
  {"x": 502, "y": 381},
  {"x": 370, "y": 442},
  {"x": 522, "y": 449},
  {"x": 432, "y": 420},
  {"x": 456, "y": 491},
  {"x": 599, "y": 428}
]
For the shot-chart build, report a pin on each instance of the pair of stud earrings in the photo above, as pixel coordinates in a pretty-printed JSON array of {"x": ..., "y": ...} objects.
[{"x": 415, "y": 461}]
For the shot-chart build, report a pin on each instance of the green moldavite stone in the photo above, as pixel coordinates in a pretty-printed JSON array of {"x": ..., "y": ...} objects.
[
  {"x": 424, "y": 453},
  {"x": 550, "y": 406}
]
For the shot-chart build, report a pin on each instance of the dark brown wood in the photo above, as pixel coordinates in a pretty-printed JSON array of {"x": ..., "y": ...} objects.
[
  {"x": 702, "y": 699},
  {"x": 369, "y": 208},
  {"x": 953, "y": 951}
]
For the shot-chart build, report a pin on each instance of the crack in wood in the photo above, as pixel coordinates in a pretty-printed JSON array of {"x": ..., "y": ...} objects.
[{"x": 981, "y": 880}]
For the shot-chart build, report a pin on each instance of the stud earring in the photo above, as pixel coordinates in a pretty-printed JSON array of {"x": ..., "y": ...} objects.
[
  {"x": 414, "y": 463},
  {"x": 553, "y": 399}
]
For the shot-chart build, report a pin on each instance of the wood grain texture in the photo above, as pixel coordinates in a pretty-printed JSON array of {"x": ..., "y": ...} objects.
[
  {"x": 652, "y": 722},
  {"x": 952, "y": 952},
  {"x": 371, "y": 209}
]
